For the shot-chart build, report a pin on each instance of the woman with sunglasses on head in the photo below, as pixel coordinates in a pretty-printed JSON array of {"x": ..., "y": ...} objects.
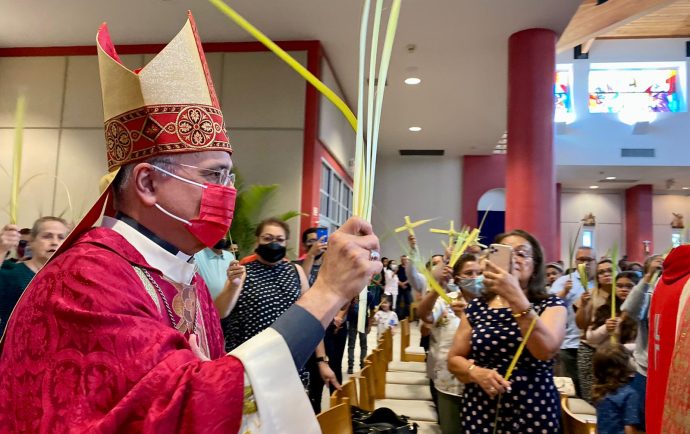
[
  {"x": 586, "y": 308},
  {"x": 490, "y": 332},
  {"x": 257, "y": 293}
]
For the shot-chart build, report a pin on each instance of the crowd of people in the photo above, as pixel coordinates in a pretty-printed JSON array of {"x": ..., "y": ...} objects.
[{"x": 577, "y": 332}]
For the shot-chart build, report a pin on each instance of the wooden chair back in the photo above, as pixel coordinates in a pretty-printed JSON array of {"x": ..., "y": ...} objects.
[
  {"x": 571, "y": 424},
  {"x": 336, "y": 420},
  {"x": 348, "y": 394},
  {"x": 379, "y": 373},
  {"x": 365, "y": 383},
  {"x": 404, "y": 335},
  {"x": 388, "y": 341}
]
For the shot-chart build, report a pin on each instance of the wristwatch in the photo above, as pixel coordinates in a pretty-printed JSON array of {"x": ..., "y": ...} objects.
[{"x": 322, "y": 359}]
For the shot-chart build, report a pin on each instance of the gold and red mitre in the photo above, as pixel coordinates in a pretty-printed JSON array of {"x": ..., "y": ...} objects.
[{"x": 169, "y": 106}]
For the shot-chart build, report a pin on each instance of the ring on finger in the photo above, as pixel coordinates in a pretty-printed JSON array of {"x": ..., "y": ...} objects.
[{"x": 374, "y": 255}]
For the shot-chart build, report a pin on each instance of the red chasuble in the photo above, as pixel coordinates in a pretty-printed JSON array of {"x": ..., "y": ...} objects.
[
  {"x": 87, "y": 349},
  {"x": 663, "y": 314},
  {"x": 677, "y": 405}
]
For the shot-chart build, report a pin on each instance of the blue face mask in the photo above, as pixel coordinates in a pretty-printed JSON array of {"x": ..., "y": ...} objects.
[{"x": 473, "y": 285}]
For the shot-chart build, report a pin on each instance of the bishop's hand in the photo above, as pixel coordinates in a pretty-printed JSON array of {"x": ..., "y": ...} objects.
[{"x": 347, "y": 264}]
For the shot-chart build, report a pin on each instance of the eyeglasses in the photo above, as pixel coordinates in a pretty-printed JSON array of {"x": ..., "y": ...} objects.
[
  {"x": 584, "y": 260},
  {"x": 604, "y": 271},
  {"x": 221, "y": 177},
  {"x": 522, "y": 254},
  {"x": 268, "y": 238}
]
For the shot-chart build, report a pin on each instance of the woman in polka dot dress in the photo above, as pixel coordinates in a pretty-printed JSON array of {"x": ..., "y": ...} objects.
[{"x": 485, "y": 344}]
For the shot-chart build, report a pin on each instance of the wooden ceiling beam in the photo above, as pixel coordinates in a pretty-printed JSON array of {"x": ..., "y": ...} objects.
[
  {"x": 587, "y": 46},
  {"x": 591, "y": 20}
]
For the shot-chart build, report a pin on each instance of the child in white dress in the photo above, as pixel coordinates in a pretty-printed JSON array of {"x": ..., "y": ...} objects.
[{"x": 385, "y": 318}]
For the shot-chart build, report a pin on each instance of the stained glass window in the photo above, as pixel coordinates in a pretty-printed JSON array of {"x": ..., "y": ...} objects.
[
  {"x": 563, "y": 94},
  {"x": 634, "y": 90}
]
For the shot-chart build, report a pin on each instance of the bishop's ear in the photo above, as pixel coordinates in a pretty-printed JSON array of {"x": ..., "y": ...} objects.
[{"x": 144, "y": 178}]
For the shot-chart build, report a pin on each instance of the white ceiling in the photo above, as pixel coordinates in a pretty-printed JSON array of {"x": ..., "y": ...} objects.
[
  {"x": 461, "y": 52},
  {"x": 581, "y": 177}
]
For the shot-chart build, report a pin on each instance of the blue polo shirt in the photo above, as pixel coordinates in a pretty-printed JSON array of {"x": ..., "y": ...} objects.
[
  {"x": 572, "y": 331},
  {"x": 213, "y": 268}
]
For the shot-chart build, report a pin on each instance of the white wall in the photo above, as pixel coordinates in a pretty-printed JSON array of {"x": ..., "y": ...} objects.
[
  {"x": 609, "y": 210},
  {"x": 64, "y": 150},
  {"x": 602, "y": 135},
  {"x": 335, "y": 131},
  {"x": 421, "y": 187},
  {"x": 663, "y": 207},
  {"x": 493, "y": 200}
]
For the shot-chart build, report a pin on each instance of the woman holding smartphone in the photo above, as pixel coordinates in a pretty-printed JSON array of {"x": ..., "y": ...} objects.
[{"x": 491, "y": 329}]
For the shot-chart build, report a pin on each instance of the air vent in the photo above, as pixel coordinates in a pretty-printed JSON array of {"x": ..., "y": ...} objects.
[
  {"x": 422, "y": 152},
  {"x": 618, "y": 181},
  {"x": 638, "y": 152}
]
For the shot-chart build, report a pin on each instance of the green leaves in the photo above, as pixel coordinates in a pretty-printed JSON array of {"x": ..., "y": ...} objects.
[{"x": 249, "y": 208}]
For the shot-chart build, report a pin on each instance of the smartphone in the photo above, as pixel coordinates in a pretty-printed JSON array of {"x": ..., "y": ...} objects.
[
  {"x": 501, "y": 256},
  {"x": 322, "y": 233}
]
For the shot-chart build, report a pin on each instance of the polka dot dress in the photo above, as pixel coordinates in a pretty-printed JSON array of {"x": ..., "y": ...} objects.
[
  {"x": 268, "y": 292},
  {"x": 532, "y": 405}
]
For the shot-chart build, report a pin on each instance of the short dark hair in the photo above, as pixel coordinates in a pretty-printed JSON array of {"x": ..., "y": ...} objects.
[
  {"x": 37, "y": 224},
  {"x": 306, "y": 233},
  {"x": 275, "y": 221},
  {"x": 633, "y": 276},
  {"x": 464, "y": 258},
  {"x": 536, "y": 286}
]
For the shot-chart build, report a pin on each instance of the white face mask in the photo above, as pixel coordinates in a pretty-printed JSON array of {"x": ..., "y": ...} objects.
[{"x": 394, "y": 267}]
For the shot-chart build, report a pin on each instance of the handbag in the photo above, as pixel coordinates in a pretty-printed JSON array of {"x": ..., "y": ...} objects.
[{"x": 381, "y": 421}]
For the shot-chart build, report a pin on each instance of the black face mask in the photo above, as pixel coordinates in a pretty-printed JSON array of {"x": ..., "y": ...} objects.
[{"x": 271, "y": 252}]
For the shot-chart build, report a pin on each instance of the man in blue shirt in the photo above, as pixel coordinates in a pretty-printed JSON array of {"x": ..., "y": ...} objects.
[
  {"x": 570, "y": 289},
  {"x": 213, "y": 266}
]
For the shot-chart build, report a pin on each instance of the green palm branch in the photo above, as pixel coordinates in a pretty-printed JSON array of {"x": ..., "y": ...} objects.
[{"x": 249, "y": 206}]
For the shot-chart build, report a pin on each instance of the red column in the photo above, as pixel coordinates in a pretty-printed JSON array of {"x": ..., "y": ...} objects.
[
  {"x": 638, "y": 221},
  {"x": 480, "y": 173},
  {"x": 530, "y": 192}
]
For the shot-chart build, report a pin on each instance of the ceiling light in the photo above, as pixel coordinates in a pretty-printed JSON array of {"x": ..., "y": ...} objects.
[
  {"x": 686, "y": 188},
  {"x": 610, "y": 178},
  {"x": 593, "y": 187},
  {"x": 413, "y": 80},
  {"x": 415, "y": 129}
]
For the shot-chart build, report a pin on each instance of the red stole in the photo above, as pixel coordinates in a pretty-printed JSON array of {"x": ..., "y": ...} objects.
[
  {"x": 86, "y": 349},
  {"x": 663, "y": 313}
]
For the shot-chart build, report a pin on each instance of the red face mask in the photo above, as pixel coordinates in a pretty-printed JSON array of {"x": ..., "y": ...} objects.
[{"x": 215, "y": 212}]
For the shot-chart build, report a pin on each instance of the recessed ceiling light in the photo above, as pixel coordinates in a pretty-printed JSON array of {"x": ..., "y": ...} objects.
[
  {"x": 610, "y": 178},
  {"x": 593, "y": 187},
  {"x": 686, "y": 188},
  {"x": 415, "y": 129},
  {"x": 413, "y": 80}
]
